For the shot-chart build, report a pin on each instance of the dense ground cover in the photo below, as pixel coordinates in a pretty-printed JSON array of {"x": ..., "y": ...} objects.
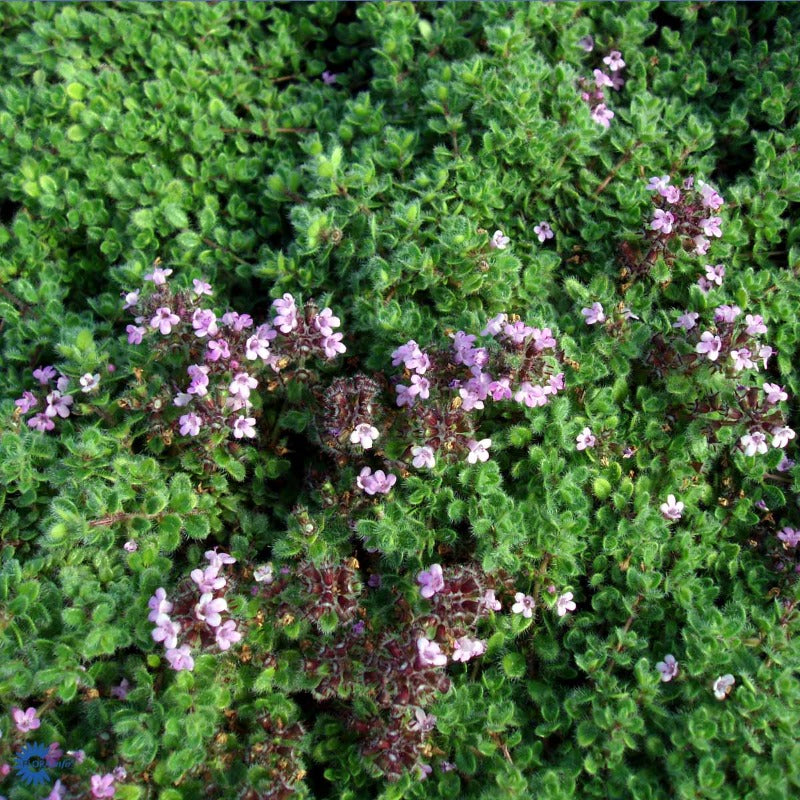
[{"x": 399, "y": 401}]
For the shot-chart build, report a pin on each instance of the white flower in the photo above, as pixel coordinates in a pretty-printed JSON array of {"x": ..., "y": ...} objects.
[
  {"x": 89, "y": 382},
  {"x": 722, "y": 686},
  {"x": 478, "y": 451},
  {"x": 672, "y": 509},
  {"x": 263, "y": 574},
  {"x": 565, "y": 603},
  {"x": 364, "y": 435},
  {"x": 423, "y": 457}
]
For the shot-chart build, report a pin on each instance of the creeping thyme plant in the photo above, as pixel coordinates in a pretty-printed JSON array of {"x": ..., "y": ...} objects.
[{"x": 399, "y": 401}]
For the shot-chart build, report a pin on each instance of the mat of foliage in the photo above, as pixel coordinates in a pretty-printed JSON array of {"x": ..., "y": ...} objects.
[{"x": 463, "y": 599}]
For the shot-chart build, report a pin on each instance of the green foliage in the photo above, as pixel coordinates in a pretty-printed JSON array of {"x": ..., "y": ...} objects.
[{"x": 203, "y": 134}]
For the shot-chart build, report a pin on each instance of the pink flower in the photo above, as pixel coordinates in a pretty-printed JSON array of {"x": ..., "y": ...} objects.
[
  {"x": 44, "y": 374},
  {"x": 466, "y": 648},
  {"x": 531, "y": 396},
  {"x": 121, "y": 691},
  {"x": 711, "y": 226},
  {"x": 41, "y": 422},
  {"x": 668, "y": 668},
  {"x": 131, "y": 299},
  {"x": 130, "y": 546},
  {"x": 565, "y": 604},
  {"x": 658, "y": 184},
  {"x": 204, "y": 322},
  {"x": 58, "y": 791},
  {"x": 209, "y": 608},
  {"x": 286, "y": 318},
  {"x": 159, "y": 277},
  {"x": 775, "y": 393},
  {"x": 601, "y": 79},
  {"x": 701, "y": 245},
  {"x": 754, "y": 442},
  {"x": 543, "y": 230},
  {"x": 711, "y": 198},
  {"x": 190, "y": 424},
  {"x": 217, "y": 349},
  {"x": 332, "y": 345},
  {"x": 423, "y": 722},
  {"x": 500, "y": 390},
  {"x": 687, "y": 321},
  {"x": 709, "y": 345},
  {"x": 430, "y": 654},
  {"x": 715, "y": 273},
  {"x": 478, "y": 451},
  {"x": 201, "y": 287},
  {"x": 662, "y": 221},
  {"x": 58, "y": 404},
  {"x": 614, "y": 61},
  {"x": 257, "y": 347},
  {"x": 164, "y": 319},
  {"x": 672, "y": 509},
  {"x": 25, "y": 720},
  {"x": 364, "y": 435},
  {"x": 431, "y": 581},
  {"x": 242, "y": 384},
  {"x": 328, "y": 78},
  {"x": 602, "y": 115},
  {"x": 594, "y": 313},
  {"x": 226, "y": 635},
  {"x": 180, "y": 658},
  {"x": 423, "y": 457},
  {"x": 585, "y": 439},
  {"x": 781, "y": 436},
  {"x": 726, "y": 313},
  {"x": 375, "y": 483},
  {"x": 159, "y": 605},
  {"x": 26, "y": 402},
  {"x": 499, "y": 241},
  {"x": 103, "y": 785},
  {"x": 765, "y": 352},
  {"x": 135, "y": 333},
  {"x": 490, "y": 601},
  {"x": 790, "y": 537},
  {"x": 543, "y": 339},
  {"x": 586, "y": 43},
  {"x": 208, "y": 579},
  {"x": 672, "y": 194},
  {"x": 182, "y": 399},
  {"x": 755, "y": 324},
  {"x": 517, "y": 331},
  {"x": 166, "y": 631},
  {"x": 785, "y": 464},
  {"x": 218, "y": 560},
  {"x": 524, "y": 605},
  {"x": 494, "y": 325},
  {"x": 325, "y": 322},
  {"x": 741, "y": 359},
  {"x": 244, "y": 426}
]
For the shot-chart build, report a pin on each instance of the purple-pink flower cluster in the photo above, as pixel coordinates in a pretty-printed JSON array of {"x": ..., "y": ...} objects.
[
  {"x": 592, "y": 89},
  {"x": 689, "y": 214},
  {"x": 196, "y": 614},
  {"x": 54, "y": 401},
  {"x": 438, "y": 388},
  {"x": 226, "y": 353}
]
